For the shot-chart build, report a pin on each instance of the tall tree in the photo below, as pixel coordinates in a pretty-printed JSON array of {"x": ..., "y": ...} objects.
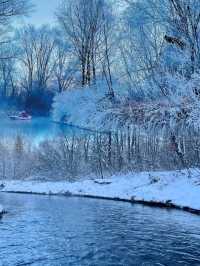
[
  {"x": 65, "y": 64},
  {"x": 83, "y": 21},
  {"x": 37, "y": 46},
  {"x": 9, "y": 10},
  {"x": 161, "y": 40}
]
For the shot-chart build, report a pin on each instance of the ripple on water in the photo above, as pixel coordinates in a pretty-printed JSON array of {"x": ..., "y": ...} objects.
[{"x": 68, "y": 231}]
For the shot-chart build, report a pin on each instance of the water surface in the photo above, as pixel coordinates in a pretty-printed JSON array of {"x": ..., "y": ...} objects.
[
  {"x": 56, "y": 231},
  {"x": 38, "y": 129}
]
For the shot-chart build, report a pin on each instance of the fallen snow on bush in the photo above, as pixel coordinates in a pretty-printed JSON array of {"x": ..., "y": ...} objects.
[
  {"x": 91, "y": 108},
  {"x": 81, "y": 107},
  {"x": 174, "y": 187}
]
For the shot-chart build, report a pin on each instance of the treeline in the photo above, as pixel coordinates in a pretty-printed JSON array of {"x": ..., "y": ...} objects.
[
  {"x": 41, "y": 62},
  {"x": 102, "y": 155},
  {"x": 38, "y": 67},
  {"x": 147, "y": 50}
]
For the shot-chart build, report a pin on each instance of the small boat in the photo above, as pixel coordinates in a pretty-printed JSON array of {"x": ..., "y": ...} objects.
[
  {"x": 21, "y": 116},
  {"x": 15, "y": 117}
]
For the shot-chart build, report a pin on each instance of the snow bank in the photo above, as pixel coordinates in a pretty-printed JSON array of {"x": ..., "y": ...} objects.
[{"x": 174, "y": 187}]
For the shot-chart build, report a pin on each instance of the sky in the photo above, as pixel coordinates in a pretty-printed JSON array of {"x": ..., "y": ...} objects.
[{"x": 44, "y": 12}]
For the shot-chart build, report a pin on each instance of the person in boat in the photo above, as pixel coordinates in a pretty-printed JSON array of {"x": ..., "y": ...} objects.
[{"x": 24, "y": 114}]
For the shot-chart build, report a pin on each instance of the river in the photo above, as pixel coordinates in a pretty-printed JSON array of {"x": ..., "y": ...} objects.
[
  {"x": 59, "y": 231},
  {"x": 38, "y": 129}
]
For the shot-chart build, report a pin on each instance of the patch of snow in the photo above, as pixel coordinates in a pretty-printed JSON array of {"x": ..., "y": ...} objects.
[
  {"x": 1, "y": 209},
  {"x": 174, "y": 187}
]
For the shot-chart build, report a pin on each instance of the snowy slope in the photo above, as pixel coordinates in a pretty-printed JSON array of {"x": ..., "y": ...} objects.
[{"x": 174, "y": 187}]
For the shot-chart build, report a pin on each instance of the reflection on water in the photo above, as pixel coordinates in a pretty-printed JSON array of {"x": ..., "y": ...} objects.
[
  {"x": 56, "y": 231},
  {"x": 37, "y": 129}
]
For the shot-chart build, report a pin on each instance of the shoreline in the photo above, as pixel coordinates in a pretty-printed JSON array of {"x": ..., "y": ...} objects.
[
  {"x": 154, "y": 204},
  {"x": 86, "y": 129},
  {"x": 171, "y": 190}
]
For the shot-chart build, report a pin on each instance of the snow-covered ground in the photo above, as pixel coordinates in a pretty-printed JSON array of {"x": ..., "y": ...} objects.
[{"x": 165, "y": 187}]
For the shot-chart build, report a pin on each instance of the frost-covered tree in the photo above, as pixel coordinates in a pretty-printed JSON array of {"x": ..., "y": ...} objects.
[
  {"x": 65, "y": 64},
  {"x": 162, "y": 37},
  {"x": 37, "y": 46},
  {"x": 9, "y": 11},
  {"x": 8, "y": 77},
  {"x": 36, "y": 63},
  {"x": 85, "y": 25}
]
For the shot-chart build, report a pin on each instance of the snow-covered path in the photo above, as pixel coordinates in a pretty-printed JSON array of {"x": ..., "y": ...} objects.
[{"x": 174, "y": 188}]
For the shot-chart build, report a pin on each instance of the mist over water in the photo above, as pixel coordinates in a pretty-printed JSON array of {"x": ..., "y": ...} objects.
[{"x": 37, "y": 130}]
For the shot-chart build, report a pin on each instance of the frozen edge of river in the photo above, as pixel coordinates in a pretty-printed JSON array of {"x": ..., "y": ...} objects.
[{"x": 162, "y": 189}]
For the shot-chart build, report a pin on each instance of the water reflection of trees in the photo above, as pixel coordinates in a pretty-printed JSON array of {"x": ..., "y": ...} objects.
[{"x": 97, "y": 154}]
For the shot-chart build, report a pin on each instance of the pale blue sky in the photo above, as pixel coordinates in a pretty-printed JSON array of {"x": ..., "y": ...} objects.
[{"x": 44, "y": 12}]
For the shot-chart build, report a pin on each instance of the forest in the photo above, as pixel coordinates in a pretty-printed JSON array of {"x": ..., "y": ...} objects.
[
  {"x": 143, "y": 56},
  {"x": 128, "y": 70},
  {"x": 99, "y": 132}
]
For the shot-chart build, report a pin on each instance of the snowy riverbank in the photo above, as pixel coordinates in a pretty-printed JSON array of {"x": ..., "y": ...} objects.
[{"x": 165, "y": 189}]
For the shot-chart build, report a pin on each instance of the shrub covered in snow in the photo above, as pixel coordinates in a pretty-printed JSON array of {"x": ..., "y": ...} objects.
[
  {"x": 89, "y": 107},
  {"x": 85, "y": 107}
]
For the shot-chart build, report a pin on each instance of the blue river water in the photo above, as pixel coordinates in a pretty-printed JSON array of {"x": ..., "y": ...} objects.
[
  {"x": 59, "y": 231},
  {"x": 37, "y": 129}
]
